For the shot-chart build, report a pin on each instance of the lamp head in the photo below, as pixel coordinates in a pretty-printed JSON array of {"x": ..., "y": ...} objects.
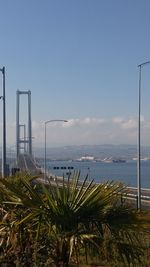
[{"x": 2, "y": 70}]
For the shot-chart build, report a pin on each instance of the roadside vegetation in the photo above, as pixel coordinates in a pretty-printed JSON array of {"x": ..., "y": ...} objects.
[{"x": 71, "y": 224}]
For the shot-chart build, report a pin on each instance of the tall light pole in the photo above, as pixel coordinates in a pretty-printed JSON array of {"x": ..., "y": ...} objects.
[
  {"x": 139, "y": 137},
  {"x": 4, "y": 126},
  {"x": 45, "y": 159}
]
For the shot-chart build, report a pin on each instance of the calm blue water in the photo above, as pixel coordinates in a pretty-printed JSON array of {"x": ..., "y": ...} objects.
[{"x": 124, "y": 172}]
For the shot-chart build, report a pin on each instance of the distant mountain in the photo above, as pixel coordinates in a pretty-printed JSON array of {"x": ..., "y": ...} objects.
[{"x": 98, "y": 151}]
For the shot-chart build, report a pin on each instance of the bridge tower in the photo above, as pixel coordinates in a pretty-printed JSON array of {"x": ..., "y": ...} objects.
[{"x": 26, "y": 141}]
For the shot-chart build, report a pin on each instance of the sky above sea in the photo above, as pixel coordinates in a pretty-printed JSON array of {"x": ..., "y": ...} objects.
[{"x": 80, "y": 60}]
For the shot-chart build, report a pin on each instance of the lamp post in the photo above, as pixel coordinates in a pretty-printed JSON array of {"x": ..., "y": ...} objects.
[
  {"x": 139, "y": 137},
  {"x": 45, "y": 159},
  {"x": 4, "y": 126}
]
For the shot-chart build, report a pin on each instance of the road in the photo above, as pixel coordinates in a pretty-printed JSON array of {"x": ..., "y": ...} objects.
[{"x": 27, "y": 163}]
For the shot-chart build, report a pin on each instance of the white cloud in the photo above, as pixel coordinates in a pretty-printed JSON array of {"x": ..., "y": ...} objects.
[
  {"x": 71, "y": 123},
  {"x": 125, "y": 123},
  {"x": 36, "y": 125},
  {"x": 147, "y": 125},
  {"x": 92, "y": 121},
  {"x": 130, "y": 124},
  {"x": 117, "y": 120},
  {"x": 88, "y": 130},
  {"x": 84, "y": 122}
]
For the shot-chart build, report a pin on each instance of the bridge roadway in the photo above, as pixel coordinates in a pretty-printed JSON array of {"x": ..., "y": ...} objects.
[{"x": 27, "y": 163}]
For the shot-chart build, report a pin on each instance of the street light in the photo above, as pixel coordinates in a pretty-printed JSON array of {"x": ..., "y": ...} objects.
[
  {"x": 139, "y": 138},
  {"x": 4, "y": 126},
  {"x": 46, "y": 122}
]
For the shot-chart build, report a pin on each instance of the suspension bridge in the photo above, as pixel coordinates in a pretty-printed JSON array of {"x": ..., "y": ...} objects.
[{"x": 26, "y": 162}]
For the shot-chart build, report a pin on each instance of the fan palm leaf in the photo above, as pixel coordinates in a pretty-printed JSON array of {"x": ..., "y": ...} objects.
[{"x": 69, "y": 215}]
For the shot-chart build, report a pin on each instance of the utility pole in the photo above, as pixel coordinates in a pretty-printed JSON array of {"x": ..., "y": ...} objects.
[{"x": 4, "y": 126}]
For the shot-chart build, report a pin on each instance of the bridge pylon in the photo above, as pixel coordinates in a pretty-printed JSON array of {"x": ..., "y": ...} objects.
[{"x": 25, "y": 140}]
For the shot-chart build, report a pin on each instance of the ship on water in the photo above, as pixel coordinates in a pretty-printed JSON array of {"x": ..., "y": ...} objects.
[
  {"x": 112, "y": 160},
  {"x": 86, "y": 158},
  {"x": 118, "y": 160}
]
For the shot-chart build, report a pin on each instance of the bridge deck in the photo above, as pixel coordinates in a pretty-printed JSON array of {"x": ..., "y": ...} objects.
[{"x": 27, "y": 163}]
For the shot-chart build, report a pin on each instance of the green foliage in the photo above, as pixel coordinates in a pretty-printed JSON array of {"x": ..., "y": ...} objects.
[{"x": 57, "y": 223}]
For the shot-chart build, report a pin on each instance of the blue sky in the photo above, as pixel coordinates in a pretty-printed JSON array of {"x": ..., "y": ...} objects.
[{"x": 79, "y": 59}]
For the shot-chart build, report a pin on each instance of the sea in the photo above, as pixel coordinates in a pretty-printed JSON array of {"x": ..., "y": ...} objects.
[{"x": 125, "y": 172}]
